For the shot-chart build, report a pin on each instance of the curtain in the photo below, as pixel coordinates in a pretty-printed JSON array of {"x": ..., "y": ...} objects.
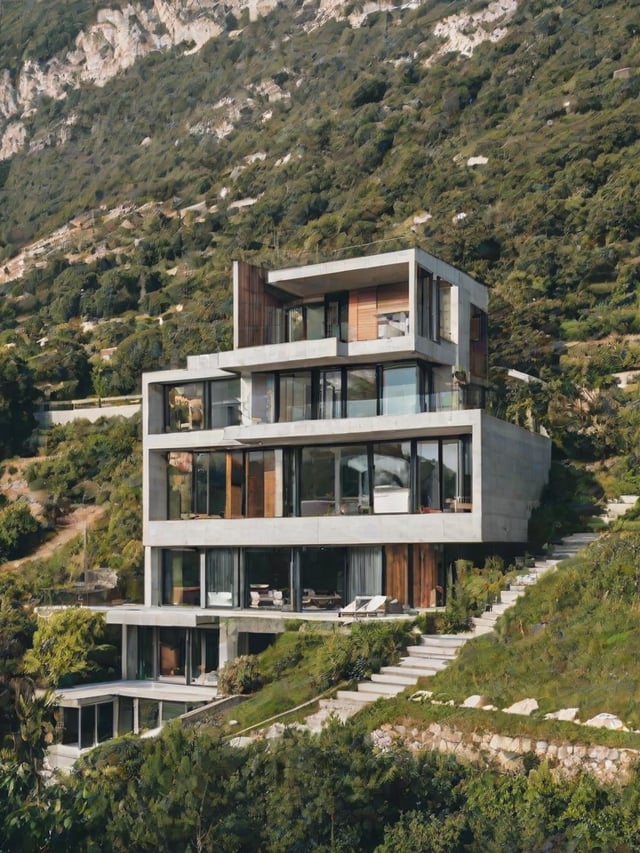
[{"x": 365, "y": 572}]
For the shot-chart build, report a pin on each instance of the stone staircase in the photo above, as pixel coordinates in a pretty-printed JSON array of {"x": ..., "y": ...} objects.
[{"x": 434, "y": 652}]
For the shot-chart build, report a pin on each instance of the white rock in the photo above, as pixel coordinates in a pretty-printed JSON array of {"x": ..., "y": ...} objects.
[
  {"x": 607, "y": 721},
  {"x": 524, "y": 707},
  {"x": 477, "y": 161},
  {"x": 567, "y": 714},
  {"x": 475, "y": 701}
]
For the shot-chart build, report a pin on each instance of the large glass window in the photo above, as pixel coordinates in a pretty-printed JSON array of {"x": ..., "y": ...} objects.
[
  {"x": 314, "y": 321},
  {"x": 401, "y": 389},
  {"x": 428, "y": 463},
  {"x": 323, "y": 572},
  {"x": 71, "y": 726},
  {"x": 146, "y": 667},
  {"x": 180, "y": 482},
  {"x": 391, "y": 477},
  {"x": 181, "y": 578},
  {"x": 334, "y": 480},
  {"x": 173, "y": 652},
  {"x": 104, "y": 722},
  {"x": 225, "y": 402},
  {"x": 330, "y": 404},
  {"x": 362, "y": 392},
  {"x": 295, "y": 396},
  {"x": 456, "y": 474},
  {"x": 337, "y": 316},
  {"x": 263, "y": 397},
  {"x": 267, "y": 572},
  {"x": 184, "y": 406},
  {"x": 219, "y": 577}
]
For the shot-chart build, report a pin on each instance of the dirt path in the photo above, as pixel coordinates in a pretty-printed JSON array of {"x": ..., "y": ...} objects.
[
  {"x": 14, "y": 485},
  {"x": 72, "y": 525}
]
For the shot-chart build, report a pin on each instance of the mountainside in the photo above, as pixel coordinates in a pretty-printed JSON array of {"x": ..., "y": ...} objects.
[{"x": 146, "y": 144}]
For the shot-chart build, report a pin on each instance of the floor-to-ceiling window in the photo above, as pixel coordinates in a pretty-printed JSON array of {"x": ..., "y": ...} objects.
[
  {"x": 362, "y": 392},
  {"x": 428, "y": 464},
  {"x": 181, "y": 577},
  {"x": 268, "y": 577},
  {"x": 392, "y": 477},
  {"x": 323, "y": 577},
  {"x": 219, "y": 572},
  {"x": 334, "y": 480}
]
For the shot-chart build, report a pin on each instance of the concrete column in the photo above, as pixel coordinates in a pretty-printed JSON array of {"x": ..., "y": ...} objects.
[{"x": 228, "y": 647}]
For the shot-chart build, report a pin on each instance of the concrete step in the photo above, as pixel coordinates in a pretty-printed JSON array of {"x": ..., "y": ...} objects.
[
  {"x": 429, "y": 650},
  {"x": 482, "y": 628},
  {"x": 415, "y": 672},
  {"x": 446, "y": 640},
  {"x": 405, "y": 678},
  {"x": 424, "y": 661},
  {"x": 355, "y": 696},
  {"x": 509, "y": 596},
  {"x": 380, "y": 689}
]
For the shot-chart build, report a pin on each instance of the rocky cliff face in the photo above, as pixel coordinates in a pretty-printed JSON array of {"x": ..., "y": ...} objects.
[
  {"x": 120, "y": 37},
  {"x": 117, "y": 39}
]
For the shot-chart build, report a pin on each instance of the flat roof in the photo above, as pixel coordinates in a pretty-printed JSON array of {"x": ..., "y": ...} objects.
[{"x": 87, "y": 694}]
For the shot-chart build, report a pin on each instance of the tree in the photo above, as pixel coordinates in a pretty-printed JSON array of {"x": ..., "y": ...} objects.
[
  {"x": 17, "y": 402},
  {"x": 67, "y": 646},
  {"x": 18, "y": 530}
]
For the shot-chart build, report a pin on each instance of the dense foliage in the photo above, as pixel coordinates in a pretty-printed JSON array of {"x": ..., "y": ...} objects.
[{"x": 187, "y": 790}]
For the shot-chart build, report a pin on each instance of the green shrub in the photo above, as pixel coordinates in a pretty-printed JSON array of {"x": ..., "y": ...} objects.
[{"x": 240, "y": 675}]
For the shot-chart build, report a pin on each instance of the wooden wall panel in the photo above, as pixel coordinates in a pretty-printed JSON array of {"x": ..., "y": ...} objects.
[
  {"x": 393, "y": 297},
  {"x": 363, "y": 322},
  {"x": 397, "y": 567},
  {"x": 233, "y": 500},
  {"x": 425, "y": 575},
  {"x": 269, "y": 484},
  {"x": 251, "y": 305}
]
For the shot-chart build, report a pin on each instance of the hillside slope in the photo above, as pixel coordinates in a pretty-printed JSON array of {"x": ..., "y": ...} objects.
[{"x": 500, "y": 136}]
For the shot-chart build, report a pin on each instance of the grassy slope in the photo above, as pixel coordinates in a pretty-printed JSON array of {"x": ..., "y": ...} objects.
[{"x": 571, "y": 641}]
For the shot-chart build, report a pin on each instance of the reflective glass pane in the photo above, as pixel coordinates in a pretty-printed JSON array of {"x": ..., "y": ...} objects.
[
  {"x": 225, "y": 402},
  {"x": 362, "y": 394},
  {"x": 315, "y": 321},
  {"x": 318, "y": 481},
  {"x": 400, "y": 390},
  {"x": 180, "y": 482},
  {"x": 330, "y": 394},
  {"x": 391, "y": 477},
  {"x": 185, "y": 407},
  {"x": 181, "y": 578},
  {"x": 428, "y": 476},
  {"x": 295, "y": 396}
]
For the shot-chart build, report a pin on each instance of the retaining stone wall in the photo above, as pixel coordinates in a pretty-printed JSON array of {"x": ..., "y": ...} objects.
[{"x": 507, "y": 753}]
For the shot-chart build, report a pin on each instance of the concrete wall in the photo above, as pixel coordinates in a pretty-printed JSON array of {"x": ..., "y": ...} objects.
[
  {"x": 65, "y": 416},
  {"x": 514, "y": 468}
]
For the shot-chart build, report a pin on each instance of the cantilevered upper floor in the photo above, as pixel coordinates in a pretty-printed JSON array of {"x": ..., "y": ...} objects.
[{"x": 386, "y": 306}]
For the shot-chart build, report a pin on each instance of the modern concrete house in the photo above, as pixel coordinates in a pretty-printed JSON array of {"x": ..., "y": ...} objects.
[{"x": 340, "y": 450}]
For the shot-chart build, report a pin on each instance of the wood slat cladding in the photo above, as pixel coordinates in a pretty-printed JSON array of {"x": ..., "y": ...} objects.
[
  {"x": 396, "y": 569},
  {"x": 233, "y": 507},
  {"x": 250, "y": 305},
  {"x": 425, "y": 575},
  {"x": 393, "y": 297},
  {"x": 363, "y": 322},
  {"x": 270, "y": 484}
]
